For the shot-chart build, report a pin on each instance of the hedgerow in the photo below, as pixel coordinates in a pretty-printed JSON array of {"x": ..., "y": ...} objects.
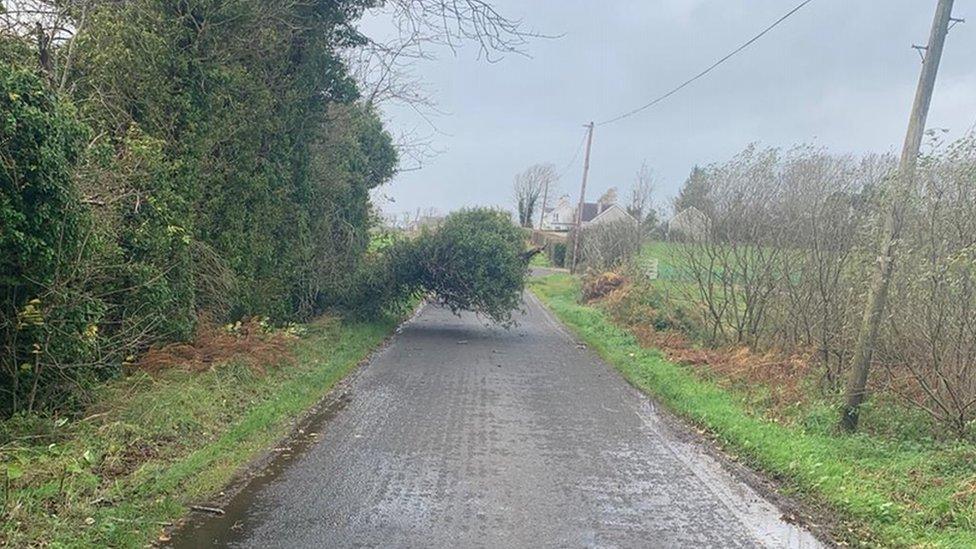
[
  {"x": 200, "y": 159},
  {"x": 43, "y": 241}
]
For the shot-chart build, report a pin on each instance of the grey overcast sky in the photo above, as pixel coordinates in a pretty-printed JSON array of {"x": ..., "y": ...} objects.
[{"x": 839, "y": 73}]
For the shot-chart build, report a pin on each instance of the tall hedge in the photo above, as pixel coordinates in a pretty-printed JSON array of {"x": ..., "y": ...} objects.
[
  {"x": 204, "y": 159},
  {"x": 43, "y": 240}
]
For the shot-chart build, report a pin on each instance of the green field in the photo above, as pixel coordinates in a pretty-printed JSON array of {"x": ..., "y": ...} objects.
[
  {"x": 668, "y": 255},
  {"x": 882, "y": 491},
  {"x": 154, "y": 444}
]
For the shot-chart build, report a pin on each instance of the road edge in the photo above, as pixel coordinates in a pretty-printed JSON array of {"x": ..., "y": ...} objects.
[
  {"x": 818, "y": 521},
  {"x": 294, "y": 443}
]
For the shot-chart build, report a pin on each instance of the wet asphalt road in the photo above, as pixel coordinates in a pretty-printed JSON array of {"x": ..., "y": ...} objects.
[{"x": 462, "y": 435}]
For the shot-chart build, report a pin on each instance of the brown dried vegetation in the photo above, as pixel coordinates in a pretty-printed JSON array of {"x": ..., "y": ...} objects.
[
  {"x": 250, "y": 342},
  {"x": 599, "y": 285},
  {"x": 781, "y": 374}
]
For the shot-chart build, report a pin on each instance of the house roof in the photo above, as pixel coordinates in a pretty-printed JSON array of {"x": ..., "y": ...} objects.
[
  {"x": 612, "y": 211},
  {"x": 590, "y": 211}
]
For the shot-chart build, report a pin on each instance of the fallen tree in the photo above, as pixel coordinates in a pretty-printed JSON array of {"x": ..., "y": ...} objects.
[{"x": 475, "y": 261}]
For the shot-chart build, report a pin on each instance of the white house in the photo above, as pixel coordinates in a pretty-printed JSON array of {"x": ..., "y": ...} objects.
[
  {"x": 562, "y": 216},
  {"x": 610, "y": 214}
]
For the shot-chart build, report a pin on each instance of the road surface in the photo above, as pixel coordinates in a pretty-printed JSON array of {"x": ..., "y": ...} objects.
[{"x": 462, "y": 435}]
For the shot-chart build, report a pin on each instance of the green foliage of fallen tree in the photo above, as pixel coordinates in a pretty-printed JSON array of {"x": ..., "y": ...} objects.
[{"x": 475, "y": 261}]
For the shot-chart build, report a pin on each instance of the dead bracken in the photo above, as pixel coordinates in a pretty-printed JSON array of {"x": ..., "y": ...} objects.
[{"x": 251, "y": 342}]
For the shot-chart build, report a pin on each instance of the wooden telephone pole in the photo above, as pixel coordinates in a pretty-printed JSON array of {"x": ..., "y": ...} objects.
[
  {"x": 582, "y": 200},
  {"x": 894, "y": 218}
]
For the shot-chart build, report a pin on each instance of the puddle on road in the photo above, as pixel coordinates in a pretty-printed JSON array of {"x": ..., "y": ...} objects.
[{"x": 212, "y": 530}]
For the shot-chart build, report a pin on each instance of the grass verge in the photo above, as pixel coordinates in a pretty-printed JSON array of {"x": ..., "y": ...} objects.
[
  {"x": 540, "y": 260},
  {"x": 885, "y": 493},
  {"x": 154, "y": 444}
]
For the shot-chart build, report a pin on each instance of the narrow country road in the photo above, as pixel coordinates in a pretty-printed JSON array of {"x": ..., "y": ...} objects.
[{"x": 462, "y": 435}]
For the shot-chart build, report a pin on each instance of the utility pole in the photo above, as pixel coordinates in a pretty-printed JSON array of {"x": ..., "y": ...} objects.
[
  {"x": 582, "y": 200},
  {"x": 904, "y": 183}
]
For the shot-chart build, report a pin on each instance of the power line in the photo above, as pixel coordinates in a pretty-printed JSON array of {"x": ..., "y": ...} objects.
[
  {"x": 708, "y": 70},
  {"x": 572, "y": 161}
]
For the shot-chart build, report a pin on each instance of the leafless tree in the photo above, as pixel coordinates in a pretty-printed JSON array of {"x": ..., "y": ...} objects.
[
  {"x": 784, "y": 267},
  {"x": 929, "y": 343},
  {"x": 609, "y": 245},
  {"x": 529, "y": 187},
  {"x": 735, "y": 267},
  {"x": 640, "y": 194},
  {"x": 452, "y": 22}
]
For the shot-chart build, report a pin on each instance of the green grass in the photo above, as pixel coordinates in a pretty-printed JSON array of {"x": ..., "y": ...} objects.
[
  {"x": 154, "y": 444},
  {"x": 676, "y": 283},
  {"x": 885, "y": 492},
  {"x": 540, "y": 260},
  {"x": 669, "y": 258}
]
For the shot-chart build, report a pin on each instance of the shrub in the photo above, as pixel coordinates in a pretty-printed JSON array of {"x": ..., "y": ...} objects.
[
  {"x": 474, "y": 261},
  {"x": 228, "y": 177},
  {"x": 385, "y": 282},
  {"x": 557, "y": 254},
  {"x": 609, "y": 245},
  {"x": 792, "y": 243}
]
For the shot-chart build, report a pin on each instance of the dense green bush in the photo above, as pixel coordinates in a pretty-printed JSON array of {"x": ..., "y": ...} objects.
[
  {"x": 475, "y": 261},
  {"x": 259, "y": 128},
  {"x": 557, "y": 254},
  {"x": 45, "y": 242}
]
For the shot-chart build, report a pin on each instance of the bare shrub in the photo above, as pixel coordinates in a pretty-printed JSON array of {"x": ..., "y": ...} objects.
[
  {"x": 608, "y": 245},
  {"x": 931, "y": 333},
  {"x": 779, "y": 265},
  {"x": 784, "y": 261},
  {"x": 827, "y": 206},
  {"x": 736, "y": 266}
]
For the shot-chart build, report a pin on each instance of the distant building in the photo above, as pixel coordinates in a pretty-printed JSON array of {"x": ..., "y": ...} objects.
[
  {"x": 689, "y": 224},
  {"x": 610, "y": 214},
  {"x": 562, "y": 216}
]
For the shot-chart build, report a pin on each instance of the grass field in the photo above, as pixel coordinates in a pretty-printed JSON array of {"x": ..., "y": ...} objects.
[
  {"x": 884, "y": 492},
  {"x": 154, "y": 444},
  {"x": 668, "y": 255}
]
